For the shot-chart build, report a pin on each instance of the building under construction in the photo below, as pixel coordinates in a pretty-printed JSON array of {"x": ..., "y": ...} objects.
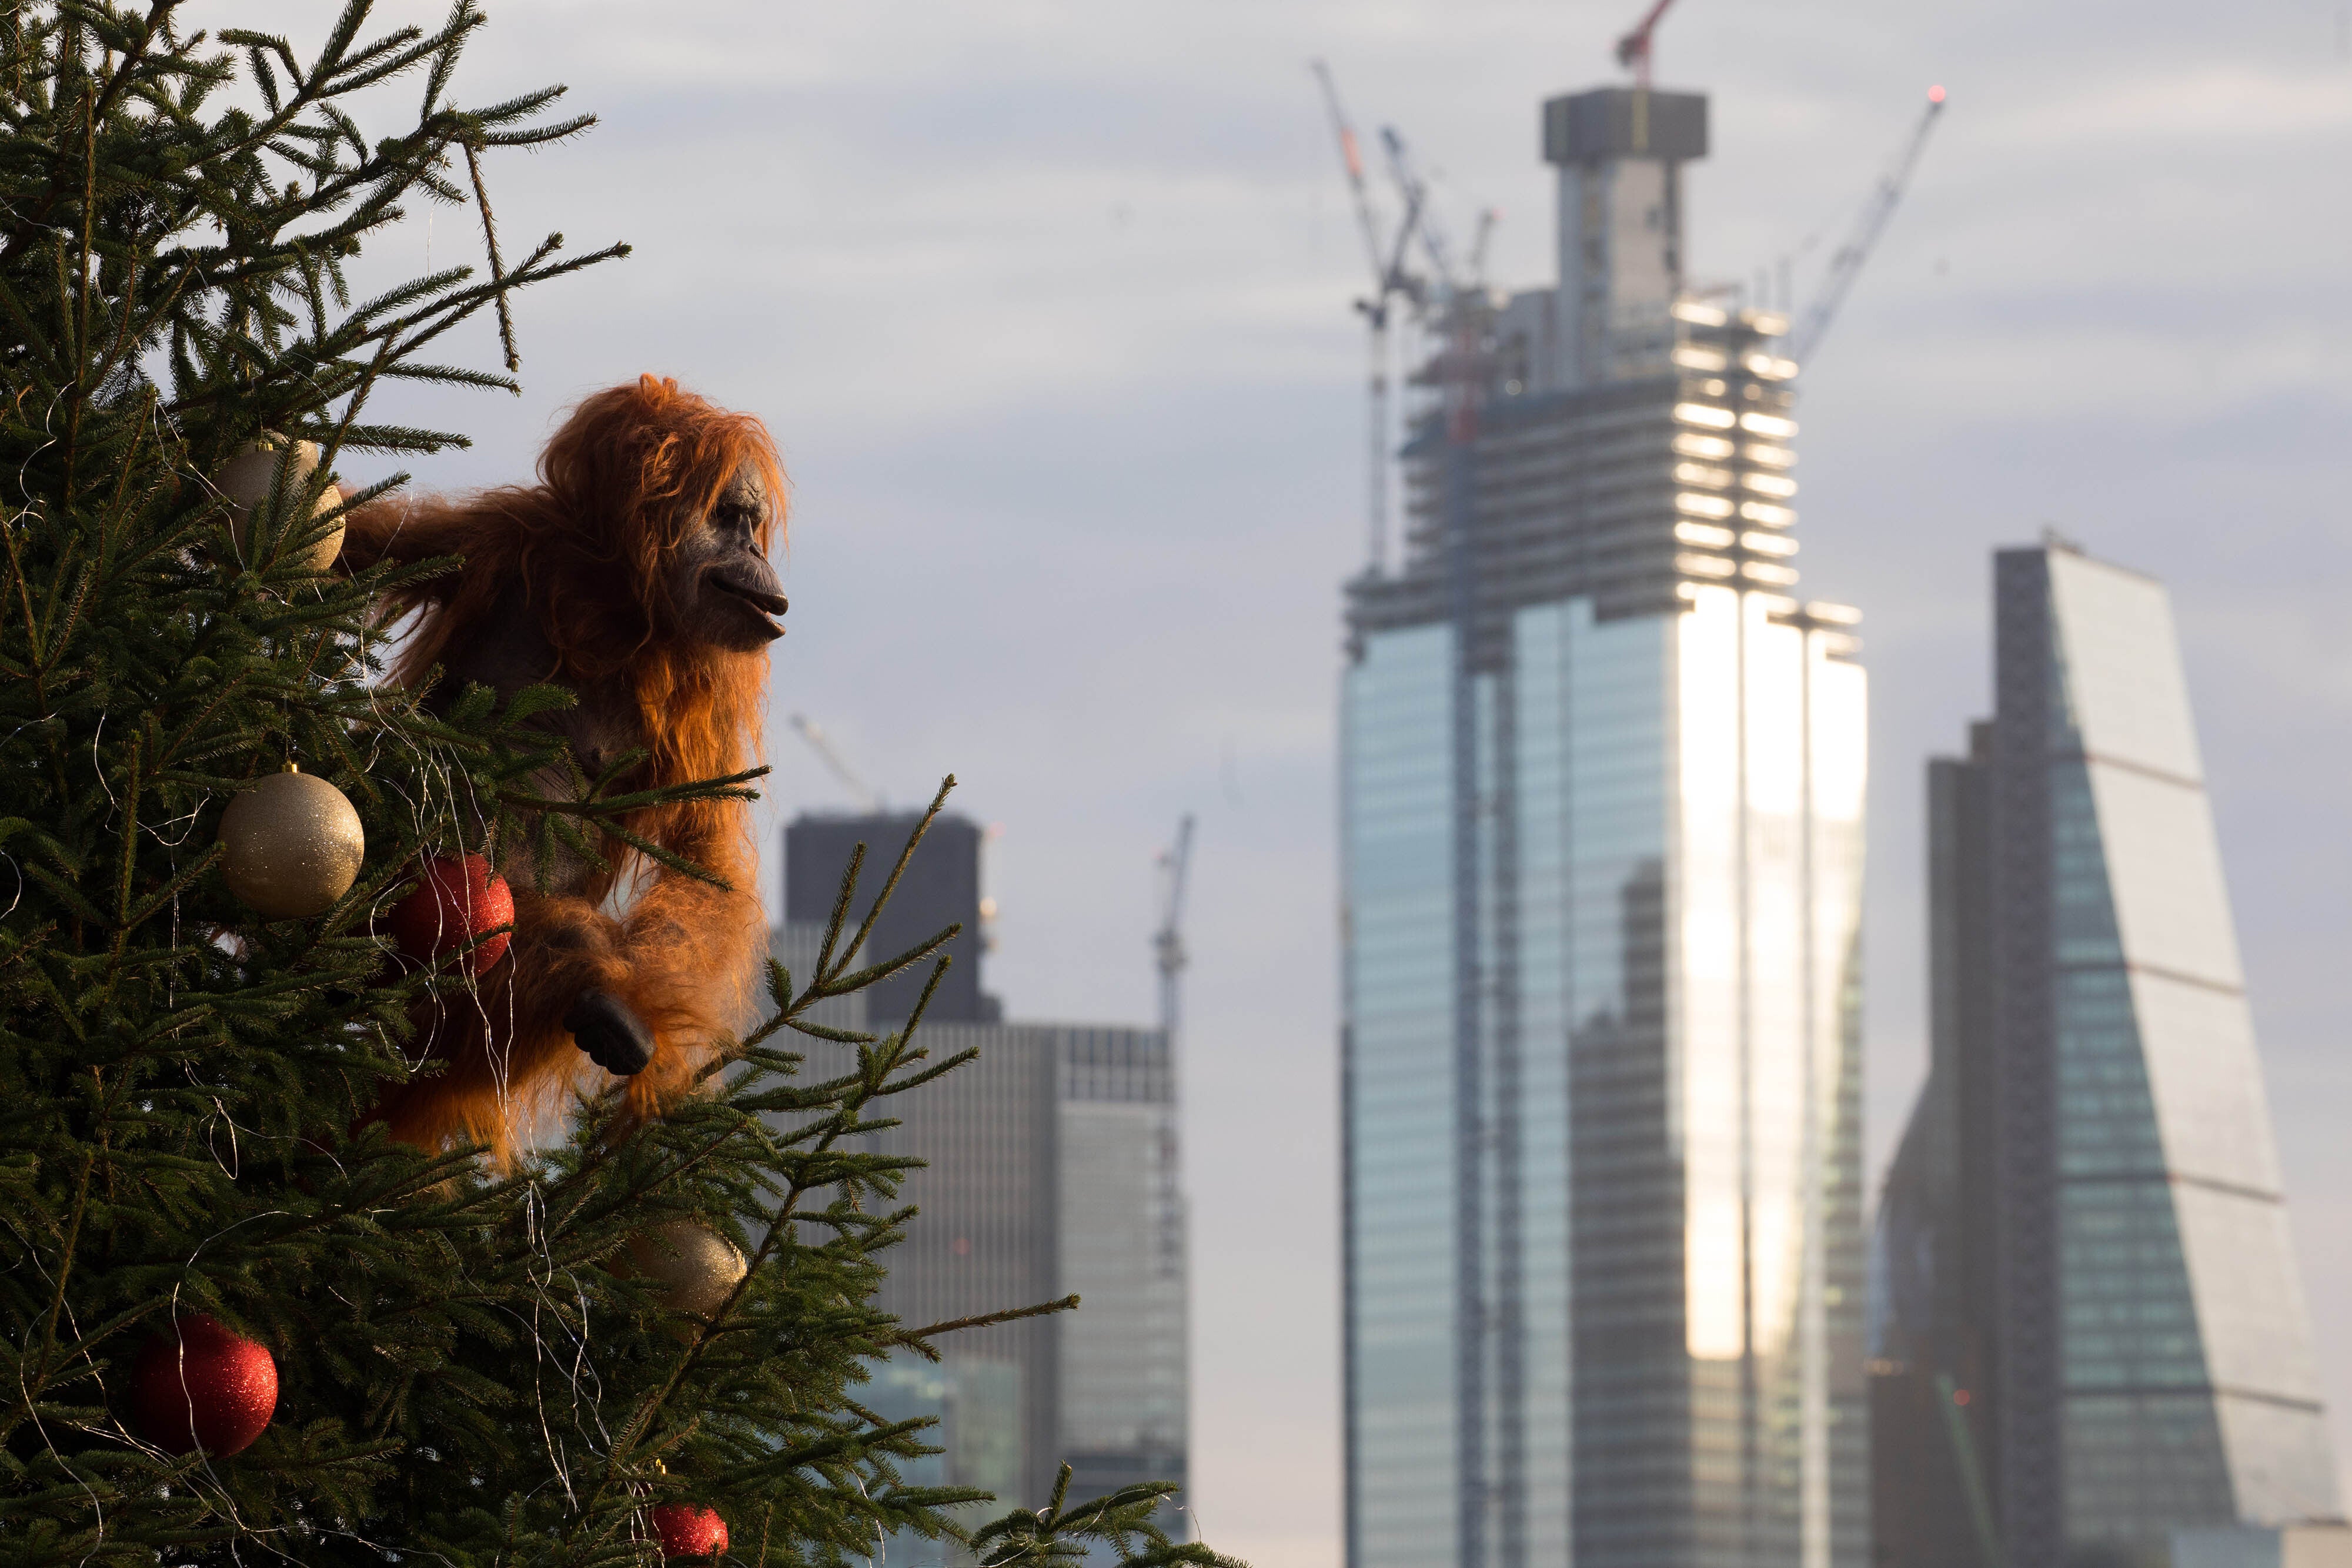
[{"x": 1603, "y": 782}]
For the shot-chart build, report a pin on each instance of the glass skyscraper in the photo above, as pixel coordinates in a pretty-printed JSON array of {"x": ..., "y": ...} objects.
[
  {"x": 1603, "y": 791},
  {"x": 2087, "y": 1329}
]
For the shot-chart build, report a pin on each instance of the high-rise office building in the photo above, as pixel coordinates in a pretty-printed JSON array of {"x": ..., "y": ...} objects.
[
  {"x": 939, "y": 888},
  {"x": 1051, "y": 1169},
  {"x": 1602, "y": 792},
  {"x": 2087, "y": 1329}
]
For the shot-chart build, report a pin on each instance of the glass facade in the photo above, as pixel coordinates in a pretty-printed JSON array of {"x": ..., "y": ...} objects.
[
  {"x": 2122, "y": 1293},
  {"x": 1400, "y": 1113},
  {"x": 1602, "y": 800},
  {"x": 1121, "y": 1240},
  {"x": 1629, "y": 1359},
  {"x": 2190, "y": 1387}
]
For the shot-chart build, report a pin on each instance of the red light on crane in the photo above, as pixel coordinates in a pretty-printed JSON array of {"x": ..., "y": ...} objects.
[{"x": 1936, "y": 94}]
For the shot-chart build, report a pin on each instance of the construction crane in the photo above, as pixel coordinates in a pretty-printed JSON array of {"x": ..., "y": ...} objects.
[
  {"x": 1435, "y": 243},
  {"x": 822, "y": 744},
  {"x": 1385, "y": 254},
  {"x": 1634, "y": 48},
  {"x": 1431, "y": 230},
  {"x": 1846, "y": 265},
  {"x": 1168, "y": 942},
  {"x": 1167, "y": 948},
  {"x": 1459, "y": 310},
  {"x": 1486, "y": 222}
]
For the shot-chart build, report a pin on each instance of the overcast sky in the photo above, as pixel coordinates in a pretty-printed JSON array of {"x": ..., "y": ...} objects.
[{"x": 1047, "y": 304}]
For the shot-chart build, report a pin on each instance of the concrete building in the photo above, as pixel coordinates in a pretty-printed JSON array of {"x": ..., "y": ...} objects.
[
  {"x": 1603, "y": 787},
  {"x": 1052, "y": 1169},
  {"x": 2089, "y": 1344}
]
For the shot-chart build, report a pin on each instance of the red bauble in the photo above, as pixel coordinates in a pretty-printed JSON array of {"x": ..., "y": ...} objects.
[
  {"x": 201, "y": 1385},
  {"x": 456, "y": 901},
  {"x": 686, "y": 1531}
]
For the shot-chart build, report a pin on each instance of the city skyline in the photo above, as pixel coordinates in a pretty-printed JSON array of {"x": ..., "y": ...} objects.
[{"x": 2067, "y": 324}]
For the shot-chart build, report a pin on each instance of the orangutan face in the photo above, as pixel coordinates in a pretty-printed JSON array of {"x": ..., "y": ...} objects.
[{"x": 727, "y": 591}]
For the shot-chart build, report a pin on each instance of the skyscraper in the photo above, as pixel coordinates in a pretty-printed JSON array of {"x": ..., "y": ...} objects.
[
  {"x": 1603, "y": 791},
  {"x": 1051, "y": 1169},
  {"x": 2087, "y": 1328},
  {"x": 939, "y": 888}
]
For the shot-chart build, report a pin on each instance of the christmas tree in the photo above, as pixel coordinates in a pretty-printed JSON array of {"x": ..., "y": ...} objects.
[{"x": 244, "y": 1323}]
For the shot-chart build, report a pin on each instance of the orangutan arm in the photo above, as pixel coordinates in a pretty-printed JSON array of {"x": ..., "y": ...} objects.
[
  {"x": 689, "y": 950},
  {"x": 570, "y": 968},
  {"x": 646, "y": 995},
  {"x": 505, "y": 1057},
  {"x": 400, "y": 529}
]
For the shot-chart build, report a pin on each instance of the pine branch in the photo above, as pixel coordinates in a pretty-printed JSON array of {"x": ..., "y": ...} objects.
[{"x": 474, "y": 1370}]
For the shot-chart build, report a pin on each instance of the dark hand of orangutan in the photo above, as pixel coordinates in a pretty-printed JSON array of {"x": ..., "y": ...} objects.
[{"x": 614, "y": 1038}]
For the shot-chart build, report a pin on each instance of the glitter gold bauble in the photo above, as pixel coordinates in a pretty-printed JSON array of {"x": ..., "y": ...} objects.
[
  {"x": 250, "y": 480},
  {"x": 293, "y": 845},
  {"x": 696, "y": 1269}
]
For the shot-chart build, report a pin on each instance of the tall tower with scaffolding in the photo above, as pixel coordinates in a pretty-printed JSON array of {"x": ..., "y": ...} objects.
[{"x": 1603, "y": 792}]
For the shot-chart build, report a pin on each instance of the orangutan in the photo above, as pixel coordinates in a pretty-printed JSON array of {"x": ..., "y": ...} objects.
[{"x": 635, "y": 574}]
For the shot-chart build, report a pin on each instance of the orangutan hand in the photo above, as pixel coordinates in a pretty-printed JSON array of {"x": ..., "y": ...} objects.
[{"x": 616, "y": 1039}]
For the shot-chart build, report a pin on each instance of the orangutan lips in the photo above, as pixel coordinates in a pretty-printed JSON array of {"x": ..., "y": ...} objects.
[{"x": 767, "y": 602}]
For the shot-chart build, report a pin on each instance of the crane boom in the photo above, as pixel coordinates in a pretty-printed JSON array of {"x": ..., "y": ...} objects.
[
  {"x": 1415, "y": 190},
  {"x": 1386, "y": 257},
  {"x": 1351, "y": 159},
  {"x": 1846, "y": 265},
  {"x": 1634, "y": 48},
  {"x": 822, "y": 744}
]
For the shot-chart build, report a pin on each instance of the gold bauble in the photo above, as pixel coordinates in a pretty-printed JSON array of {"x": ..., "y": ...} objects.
[
  {"x": 293, "y": 843},
  {"x": 696, "y": 1269},
  {"x": 249, "y": 478}
]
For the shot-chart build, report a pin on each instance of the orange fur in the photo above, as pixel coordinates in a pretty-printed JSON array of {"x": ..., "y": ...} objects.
[{"x": 617, "y": 485}]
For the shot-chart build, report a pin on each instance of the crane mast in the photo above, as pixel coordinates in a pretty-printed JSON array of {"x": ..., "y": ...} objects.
[
  {"x": 1168, "y": 949},
  {"x": 1487, "y": 219},
  {"x": 1846, "y": 265},
  {"x": 1168, "y": 941}
]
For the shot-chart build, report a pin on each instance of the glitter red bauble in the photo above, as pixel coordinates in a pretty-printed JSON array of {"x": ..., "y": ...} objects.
[
  {"x": 202, "y": 1385},
  {"x": 455, "y": 902},
  {"x": 686, "y": 1531}
]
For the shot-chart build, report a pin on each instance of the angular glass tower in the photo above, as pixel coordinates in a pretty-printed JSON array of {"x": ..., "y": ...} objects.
[
  {"x": 1603, "y": 791},
  {"x": 2087, "y": 1328}
]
